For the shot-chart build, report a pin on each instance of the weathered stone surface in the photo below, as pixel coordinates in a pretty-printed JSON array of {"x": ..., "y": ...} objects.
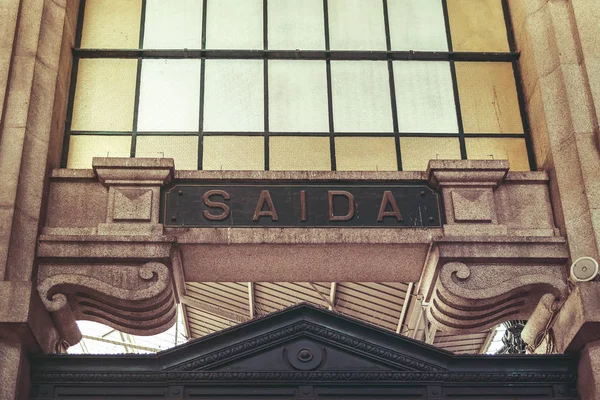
[
  {"x": 84, "y": 194},
  {"x": 578, "y": 321},
  {"x": 14, "y": 371},
  {"x": 303, "y": 262},
  {"x": 561, "y": 105},
  {"x": 589, "y": 372},
  {"x": 8, "y": 11},
  {"x": 474, "y": 205}
]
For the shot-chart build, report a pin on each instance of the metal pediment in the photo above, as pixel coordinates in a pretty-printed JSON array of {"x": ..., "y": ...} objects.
[
  {"x": 305, "y": 346},
  {"x": 298, "y": 348}
]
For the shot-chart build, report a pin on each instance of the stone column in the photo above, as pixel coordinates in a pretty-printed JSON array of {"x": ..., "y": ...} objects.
[{"x": 560, "y": 54}]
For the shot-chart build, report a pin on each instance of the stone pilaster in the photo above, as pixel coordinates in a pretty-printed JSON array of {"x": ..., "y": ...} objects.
[
  {"x": 14, "y": 371},
  {"x": 36, "y": 37}
]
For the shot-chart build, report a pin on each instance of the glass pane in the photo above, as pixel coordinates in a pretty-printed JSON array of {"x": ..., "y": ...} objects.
[
  {"x": 183, "y": 149},
  {"x": 234, "y": 24},
  {"x": 104, "y": 95},
  {"x": 356, "y": 25},
  {"x": 361, "y": 96},
  {"x": 111, "y": 24},
  {"x": 425, "y": 97},
  {"x": 513, "y": 150},
  {"x": 417, "y": 25},
  {"x": 294, "y": 153},
  {"x": 234, "y": 153},
  {"x": 477, "y": 25},
  {"x": 365, "y": 154},
  {"x": 416, "y": 152},
  {"x": 169, "y": 96},
  {"x": 488, "y": 97},
  {"x": 296, "y": 24},
  {"x": 298, "y": 96},
  {"x": 176, "y": 24},
  {"x": 82, "y": 148},
  {"x": 234, "y": 95}
]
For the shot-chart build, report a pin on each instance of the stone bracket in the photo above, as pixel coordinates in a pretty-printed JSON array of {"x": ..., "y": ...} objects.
[
  {"x": 472, "y": 285},
  {"x": 475, "y": 297},
  {"x": 136, "y": 299}
]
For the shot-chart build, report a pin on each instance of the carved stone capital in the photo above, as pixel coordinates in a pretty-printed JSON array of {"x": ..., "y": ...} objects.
[
  {"x": 132, "y": 298},
  {"x": 474, "y": 297},
  {"x": 468, "y": 191},
  {"x": 133, "y": 193}
]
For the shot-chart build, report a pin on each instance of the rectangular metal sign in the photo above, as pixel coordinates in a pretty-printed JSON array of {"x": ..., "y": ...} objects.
[{"x": 300, "y": 205}]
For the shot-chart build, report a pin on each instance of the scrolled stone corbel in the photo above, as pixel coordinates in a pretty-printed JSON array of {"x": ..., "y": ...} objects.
[
  {"x": 134, "y": 299},
  {"x": 472, "y": 298}
]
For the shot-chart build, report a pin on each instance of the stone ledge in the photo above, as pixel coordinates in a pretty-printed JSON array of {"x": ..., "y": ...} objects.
[
  {"x": 103, "y": 247},
  {"x": 323, "y": 236},
  {"x": 504, "y": 248},
  {"x": 133, "y": 171},
  {"x": 466, "y": 173}
]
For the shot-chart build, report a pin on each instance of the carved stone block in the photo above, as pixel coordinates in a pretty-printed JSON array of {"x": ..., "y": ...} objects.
[
  {"x": 473, "y": 205},
  {"x": 132, "y": 205},
  {"x": 133, "y": 194}
]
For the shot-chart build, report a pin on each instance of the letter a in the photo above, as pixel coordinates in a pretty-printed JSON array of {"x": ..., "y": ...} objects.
[
  {"x": 265, "y": 197},
  {"x": 388, "y": 198}
]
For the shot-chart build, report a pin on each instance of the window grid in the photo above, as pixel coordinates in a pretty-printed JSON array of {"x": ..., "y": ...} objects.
[
  {"x": 327, "y": 55},
  {"x": 459, "y": 121}
]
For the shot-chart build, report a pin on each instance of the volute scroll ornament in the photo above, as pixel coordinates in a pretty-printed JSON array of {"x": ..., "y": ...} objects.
[
  {"x": 134, "y": 299},
  {"x": 472, "y": 298}
]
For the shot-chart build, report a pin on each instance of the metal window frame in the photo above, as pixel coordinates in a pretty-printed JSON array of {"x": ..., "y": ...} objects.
[{"x": 326, "y": 55}]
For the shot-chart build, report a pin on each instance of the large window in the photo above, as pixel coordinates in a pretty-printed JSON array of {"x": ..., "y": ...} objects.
[{"x": 296, "y": 84}]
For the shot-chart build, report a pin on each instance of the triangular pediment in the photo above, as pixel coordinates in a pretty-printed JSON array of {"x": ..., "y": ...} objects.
[
  {"x": 302, "y": 350},
  {"x": 305, "y": 338}
]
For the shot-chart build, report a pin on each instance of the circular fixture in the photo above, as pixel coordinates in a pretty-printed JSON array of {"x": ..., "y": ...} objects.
[{"x": 584, "y": 269}]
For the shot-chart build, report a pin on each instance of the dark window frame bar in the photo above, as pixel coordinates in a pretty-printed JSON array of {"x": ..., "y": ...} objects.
[
  {"x": 390, "y": 65},
  {"x": 332, "y": 155},
  {"x": 138, "y": 79},
  {"x": 377, "y": 55},
  {"x": 459, "y": 121},
  {"x": 327, "y": 55},
  {"x": 519, "y": 85},
  {"x": 305, "y": 134},
  {"x": 266, "y": 84},
  {"x": 201, "y": 100}
]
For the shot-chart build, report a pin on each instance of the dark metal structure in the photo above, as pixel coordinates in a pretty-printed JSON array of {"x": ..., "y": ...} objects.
[{"x": 304, "y": 353}]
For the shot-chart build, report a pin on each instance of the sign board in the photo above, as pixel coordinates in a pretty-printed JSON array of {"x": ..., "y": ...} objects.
[{"x": 300, "y": 205}]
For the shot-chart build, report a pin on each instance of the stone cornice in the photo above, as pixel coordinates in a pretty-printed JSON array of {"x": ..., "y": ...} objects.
[
  {"x": 133, "y": 171},
  {"x": 466, "y": 173}
]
